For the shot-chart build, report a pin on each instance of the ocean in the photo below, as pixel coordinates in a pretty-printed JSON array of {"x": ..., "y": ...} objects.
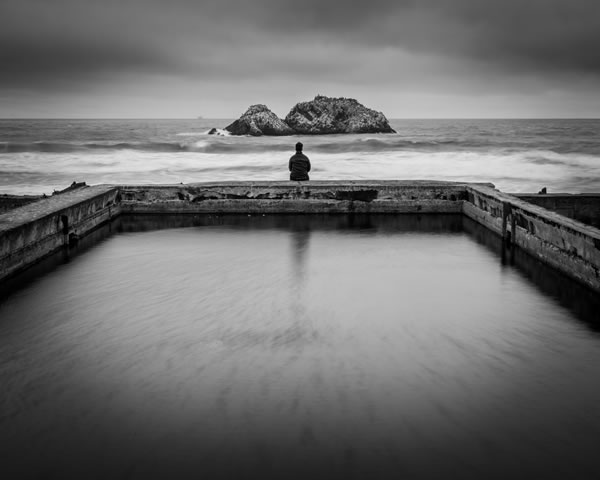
[{"x": 39, "y": 156}]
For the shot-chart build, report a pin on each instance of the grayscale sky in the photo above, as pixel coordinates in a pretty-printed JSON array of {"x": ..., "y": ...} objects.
[{"x": 407, "y": 58}]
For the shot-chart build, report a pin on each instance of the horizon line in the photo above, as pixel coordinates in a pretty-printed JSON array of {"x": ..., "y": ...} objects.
[{"x": 230, "y": 118}]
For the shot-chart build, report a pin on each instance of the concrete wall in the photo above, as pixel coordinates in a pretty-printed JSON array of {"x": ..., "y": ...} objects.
[
  {"x": 296, "y": 197},
  {"x": 583, "y": 207},
  {"x": 31, "y": 232},
  {"x": 570, "y": 246}
]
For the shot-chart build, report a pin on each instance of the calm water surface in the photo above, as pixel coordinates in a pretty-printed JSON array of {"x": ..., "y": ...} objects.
[{"x": 346, "y": 347}]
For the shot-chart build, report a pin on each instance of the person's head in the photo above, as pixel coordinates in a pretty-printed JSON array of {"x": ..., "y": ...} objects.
[{"x": 299, "y": 147}]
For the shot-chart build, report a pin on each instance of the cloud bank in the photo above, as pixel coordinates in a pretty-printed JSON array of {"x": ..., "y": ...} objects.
[{"x": 425, "y": 47}]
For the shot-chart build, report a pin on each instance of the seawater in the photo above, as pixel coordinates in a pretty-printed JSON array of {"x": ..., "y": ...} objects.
[
  {"x": 304, "y": 347},
  {"x": 38, "y": 156}
]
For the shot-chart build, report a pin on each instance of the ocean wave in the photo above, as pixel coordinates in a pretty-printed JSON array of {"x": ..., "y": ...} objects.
[
  {"x": 62, "y": 147},
  {"x": 522, "y": 171},
  {"x": 336, "y": 144},
  {"x": 389, "y": 144},
  {"x": 240, "y": 145}
]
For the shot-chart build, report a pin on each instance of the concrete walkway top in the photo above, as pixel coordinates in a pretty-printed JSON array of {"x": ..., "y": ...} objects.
[
  {"x": 317, "y": 183},
  {"x": 541, "y": 213},
  {"x": 49, "y": 206}
]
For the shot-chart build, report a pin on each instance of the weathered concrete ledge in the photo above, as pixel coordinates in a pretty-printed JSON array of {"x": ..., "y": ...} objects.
[
  {"x": 583, "y": 207},
  {"x": 33, "y": 231},
  {"x": 297, "y": 197},
  {"x": 566, "y": 244}
]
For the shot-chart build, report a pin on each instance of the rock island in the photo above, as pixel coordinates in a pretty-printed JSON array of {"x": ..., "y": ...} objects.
[{"x": 323, "y": 115}]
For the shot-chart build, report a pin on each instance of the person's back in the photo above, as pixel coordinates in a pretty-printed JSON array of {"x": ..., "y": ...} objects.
[{"x": 299, "y": 165}]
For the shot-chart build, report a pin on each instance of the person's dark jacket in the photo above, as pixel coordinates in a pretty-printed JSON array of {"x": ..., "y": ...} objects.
[{"x": 299, "y": 167}]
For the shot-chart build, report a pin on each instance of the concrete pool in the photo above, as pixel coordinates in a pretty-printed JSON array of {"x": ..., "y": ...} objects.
[{"x": 353, "y": 346}]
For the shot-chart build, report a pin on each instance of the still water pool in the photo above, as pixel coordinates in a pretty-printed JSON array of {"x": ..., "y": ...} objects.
[{"x": 309, "y": 347}]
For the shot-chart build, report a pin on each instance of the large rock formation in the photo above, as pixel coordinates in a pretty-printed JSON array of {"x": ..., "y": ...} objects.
[
  {"x": 336, "y": 115},
  {"x": 319, "y": 116},
  {"x": 259, "y": 120}
]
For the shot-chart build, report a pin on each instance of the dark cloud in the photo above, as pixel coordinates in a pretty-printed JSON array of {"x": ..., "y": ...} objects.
[
  {"x": 45, "y": 43},
  {"x": 31, "y": 64},
  {"x": 427, "y": 44},
  {"x": 79, "y": 35},
  {"x": 549, "y": 34}
]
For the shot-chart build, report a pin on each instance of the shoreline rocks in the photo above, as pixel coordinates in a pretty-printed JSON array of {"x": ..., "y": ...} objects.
[{"x": 320, "y": 116}]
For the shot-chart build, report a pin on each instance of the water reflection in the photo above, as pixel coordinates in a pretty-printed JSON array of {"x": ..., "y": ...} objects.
[
  {"x": 583, "y": 302},
  {"x": 16, "y": 283},
  {"x": 298, "y": 347},
  {"x": 300, "y": 238}
]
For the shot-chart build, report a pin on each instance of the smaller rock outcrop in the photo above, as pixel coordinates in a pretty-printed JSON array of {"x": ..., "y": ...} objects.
[
  {"x": 218, "y": 131},
  {"x": 259, "y": 120},
  {"x": 336, "y": 115}
]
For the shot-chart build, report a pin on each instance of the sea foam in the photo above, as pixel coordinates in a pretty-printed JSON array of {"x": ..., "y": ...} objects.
[{"x": 517, "y": 156}]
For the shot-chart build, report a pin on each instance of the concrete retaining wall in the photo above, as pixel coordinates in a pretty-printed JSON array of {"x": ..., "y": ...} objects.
[
  {"x": 568, "y": 245},
  {"x": 31, "y": 232},
  {"x": 296, "y": 197},
  {"x": 584, "y": 207}
]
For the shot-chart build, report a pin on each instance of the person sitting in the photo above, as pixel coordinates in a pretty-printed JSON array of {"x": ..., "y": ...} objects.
[{"x": 299, "y": 165}]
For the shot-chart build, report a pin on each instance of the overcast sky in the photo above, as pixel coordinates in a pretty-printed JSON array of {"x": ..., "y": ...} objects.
[{"x": 407, "y": 58}]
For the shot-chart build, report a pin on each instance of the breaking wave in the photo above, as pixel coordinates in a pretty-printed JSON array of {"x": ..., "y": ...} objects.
[
  {"x": 518, "y": 156},
  {"x": 61, "y": 147},
  {"x": 244, "y": 145}
]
